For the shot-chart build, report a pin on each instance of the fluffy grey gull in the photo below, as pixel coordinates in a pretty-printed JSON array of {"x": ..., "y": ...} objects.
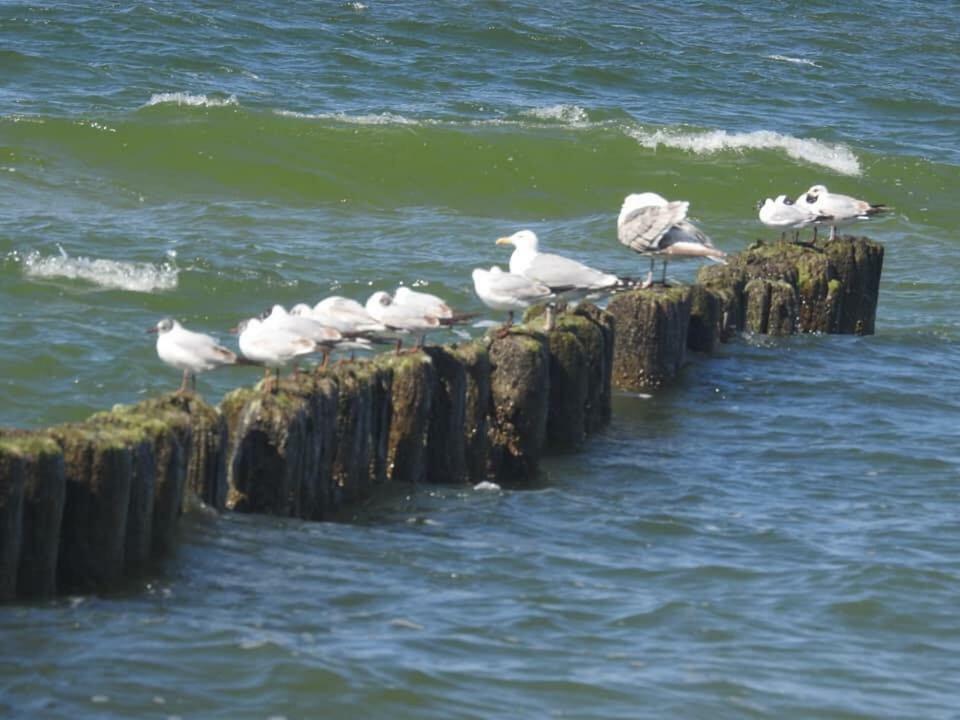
[{"x": 651, "y": 225}]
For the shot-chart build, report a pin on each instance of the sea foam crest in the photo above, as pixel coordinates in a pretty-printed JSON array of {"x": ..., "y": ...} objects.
[
  {"x": 569, "y": 114},
  {"x": 108, "y": 274},
  {"x": 385, "y": 118},
  {"x": 182, "y": 98},
  {"x": 795, "y": 61},
  {"x": 838, "y": 158}
]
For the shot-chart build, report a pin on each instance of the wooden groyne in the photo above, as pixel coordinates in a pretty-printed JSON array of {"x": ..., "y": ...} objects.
[{"x": 84, "y": 506}]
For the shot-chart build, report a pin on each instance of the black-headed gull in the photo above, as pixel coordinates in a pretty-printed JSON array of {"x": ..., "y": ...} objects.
[
  {"x": 783, "y": 214},
  {"x": 189, "y": 351},
  {"x": 651, "y": 225},
  {"x": 271, "y": 346},
  {"x": 346, "y": 315},
  {"x": 843, "y": 209},
  {"x": 401, "y": 317},
  {"x": 429, "y": 305}
]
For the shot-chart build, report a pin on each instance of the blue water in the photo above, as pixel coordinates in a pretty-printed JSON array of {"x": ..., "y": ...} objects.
[{"x": 772, "y": 536}]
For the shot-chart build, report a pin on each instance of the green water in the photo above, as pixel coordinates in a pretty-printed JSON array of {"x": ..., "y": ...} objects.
[{"x": 773, "y": 536}]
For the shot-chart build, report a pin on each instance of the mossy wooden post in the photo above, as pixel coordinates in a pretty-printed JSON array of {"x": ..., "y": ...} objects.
[
  {"x": 475, "y": 357},
  {"x": 771, "y": 307},
  {"x": 268, "y": 443},
  {"x": 859, "y": 264},
  {"x": 12, "y": 482},
  {"x": 831, "y": 286},
  {"x": 651, "y": 329},
  {"x": 381, "y": 408},
  {"x": 447, "y": 441},
  {"x": 99, "y": 469},
  {"x": 38, "y": 459},
  {"x": 725, "y": 285},
  {"x": 569, "y": 380},
  {"x": 520, "y": 395},
  {"x": 207, "y": 467},
  {"x": 599, "y": 346},
  {"x": 360, "y": 384},
  {"x": 411, "y": 397},
  {"x": 708, "y": 319}
]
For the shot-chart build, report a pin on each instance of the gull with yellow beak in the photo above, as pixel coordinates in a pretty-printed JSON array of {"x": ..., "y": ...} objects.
[{"x": 561, "y": 275}]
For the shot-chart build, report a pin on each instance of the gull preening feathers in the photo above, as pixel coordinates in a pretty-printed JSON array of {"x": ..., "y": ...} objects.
[
  {"x": 189, "y": 351},
  {"x": 842, "y": 209},
  {"x": 783, "y": 214},
  {"x": 651, "y": 225}
]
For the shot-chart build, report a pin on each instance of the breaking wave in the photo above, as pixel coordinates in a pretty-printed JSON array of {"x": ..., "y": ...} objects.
[
  {"x": 835, "y": 157},
  {"x": 189, "y": 99},
  {"x": 107, "y": 274}
]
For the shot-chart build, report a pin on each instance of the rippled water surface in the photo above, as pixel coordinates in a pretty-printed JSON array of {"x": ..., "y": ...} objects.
[{"x": 773, "y": 536}]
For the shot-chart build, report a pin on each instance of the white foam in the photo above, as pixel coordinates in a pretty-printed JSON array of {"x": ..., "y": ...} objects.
[
  {"x": 569, "y": 114},
  {"x": 795, "y": 61},
  {"x": 108, "y": 274},
  {"x": 835, "y": 157},
  {"x": 486, "y": 486},
  {"x": 371, "y": 119},
  {"x": 181, "y": 98}
]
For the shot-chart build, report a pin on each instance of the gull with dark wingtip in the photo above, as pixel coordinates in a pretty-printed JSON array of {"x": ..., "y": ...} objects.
[
  {"x": 842, "y": 209},
  {"x": 189, "y": 351}
]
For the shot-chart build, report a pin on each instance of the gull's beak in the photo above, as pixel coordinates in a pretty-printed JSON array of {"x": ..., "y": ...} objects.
[
  {"x": 153, "y": 330},
  {"x": 233, "y": 330},
  {"x": 505, "y": 241}
]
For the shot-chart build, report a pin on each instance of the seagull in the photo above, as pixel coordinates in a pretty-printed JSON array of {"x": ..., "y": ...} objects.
[
  {"x": 842, "y": 209},
  {"x": 325, "y": 337},
  {"x": 557, "y": 272},
  {"x": 560, "y": 274},
  {"x": 346, "y": 315},
  {"x": 506, "y": 291},
  {"x": 429, "y": 305},
  {"x": 189, "y": 351},
  {"x": 395, "y": 316},
  {"x": 271, "y": 346},
  {"x": 784, "y": 214},
  {"x": 650, "y": 225}
]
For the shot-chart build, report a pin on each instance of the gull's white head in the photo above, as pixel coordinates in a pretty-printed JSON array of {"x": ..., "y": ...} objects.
[
  {"x": 521, "y": 240},
  {"x": 164, "y": 326},
  {"x": 635, "y": 201},
  {"x": 495, "y": 270},
  {"x": 301, "y": 310}
]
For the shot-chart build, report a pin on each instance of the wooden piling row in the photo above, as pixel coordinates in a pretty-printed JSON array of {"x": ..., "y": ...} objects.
[{"x": 84, "y": 506}]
